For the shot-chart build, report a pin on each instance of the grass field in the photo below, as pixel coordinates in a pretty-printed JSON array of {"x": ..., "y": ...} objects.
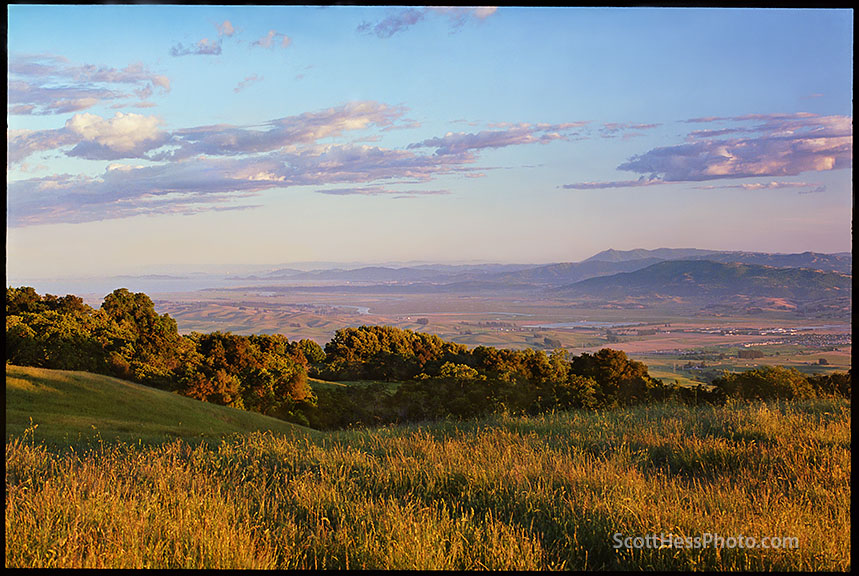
[
  {"x": 77, "y": 407},
  {"x": 548, "y": 492}
]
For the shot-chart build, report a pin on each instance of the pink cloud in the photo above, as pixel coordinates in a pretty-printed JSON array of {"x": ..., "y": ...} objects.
[
  {"x": 48, "y": 84},
  {"x": 774, "y": 145},
  {"x": 271, "y": 38}
]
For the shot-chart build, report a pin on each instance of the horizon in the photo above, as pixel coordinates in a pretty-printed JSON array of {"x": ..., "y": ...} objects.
[
  {"x": 235, "y": 272},
  {"x": 265, "y": 137}
]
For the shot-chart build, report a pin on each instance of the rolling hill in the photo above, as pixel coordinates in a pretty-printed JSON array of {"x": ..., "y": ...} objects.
[
  {"x": 839, "y": 262},
  {"x": 70, "y": 407},
  {"x": 704, "y": 279}
]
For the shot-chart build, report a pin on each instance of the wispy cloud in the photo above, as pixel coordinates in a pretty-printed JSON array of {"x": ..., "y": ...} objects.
[
  {"x": 253, "y": 78},
  {"x": 404, "y": 19},
  {"x": 381, "y": 191},
  {"x": 624, "y": 129},
  {"x": 459, "y": 16},
  {"x": 49, "y": 84},
  {"x": 773, "y": 185},
  {"x": 273, "y": 38},
  {"x": 204, "y": 47},
  {"x": 227, "y": 140},
  {"x": 94, "y": 137},
  {"x": 394, "y": 23},
  {"x": 643, "y": 181},
  {"x": 177, "y": 187},
  {"x": 457, "y": 143}
]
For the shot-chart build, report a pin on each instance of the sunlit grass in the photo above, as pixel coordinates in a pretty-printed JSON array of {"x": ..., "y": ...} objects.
[
  {"x": 77, "y": 407},
  {"x": 545, "y": 492}
]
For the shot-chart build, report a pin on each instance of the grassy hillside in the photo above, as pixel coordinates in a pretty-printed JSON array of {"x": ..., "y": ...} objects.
[
  {"x": 549, "y": 492},
  {"x": 77, "y": 406}
]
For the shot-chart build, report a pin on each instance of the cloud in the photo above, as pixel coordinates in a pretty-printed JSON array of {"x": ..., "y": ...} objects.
[
  {"x": 392, "y": 24},
  {"x": 47, "y": 84},
  {"x": 123, "y": 136},
  {"x": 195, "y": 185},
  {"x": 626, "y": 129},
  {"x": 408, "y": 17},
  {"x": 457, "y": 143},
  {"x": 247, "y": 82},
  {"x": 763, "y": 145},
  {"x": 218, "y": 167},
  {"x": 122, "y": 192},
  {"x": 225, "y": 29},
  {"x": 227, "y": 140},
  {"x": 381, "y": 191},
  {"x": 273, "y": 38},
  {"x": 97, "y": 138},
  {"x": 459, "y": 16},
  {"x": 616, "y": 184},
  {"x": 126, "y": 135},
  {"x": 22, "y": 143},
  {"x": 204, "y": 47},
  {"x": 773, "y": 185}
]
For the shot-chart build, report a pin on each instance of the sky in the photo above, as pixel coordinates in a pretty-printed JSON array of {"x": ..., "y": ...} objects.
[{"x": 149, "y": 139}]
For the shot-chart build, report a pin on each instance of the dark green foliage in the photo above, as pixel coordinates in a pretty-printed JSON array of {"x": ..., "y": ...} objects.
[
  {"x": 620, "y": 380},
  {"x": 765, "y": 383},
  {"x": 126, "y": 337},
  {"x": 836, "y": 384},
  {"x": 253, "y": 372},
  {"x": 385, "y": 353}
]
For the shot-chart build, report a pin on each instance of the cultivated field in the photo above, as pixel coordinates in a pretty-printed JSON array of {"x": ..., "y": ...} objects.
[{"x": 666, "y": 337}]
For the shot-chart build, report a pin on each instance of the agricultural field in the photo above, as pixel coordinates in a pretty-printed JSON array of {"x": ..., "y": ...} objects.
[
  {"x": 666, "y": 337},
  {"x": 558, "y": 491}
]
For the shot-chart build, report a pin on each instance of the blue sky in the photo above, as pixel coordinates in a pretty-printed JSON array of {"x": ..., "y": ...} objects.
[{"x": 166, "y": 138}]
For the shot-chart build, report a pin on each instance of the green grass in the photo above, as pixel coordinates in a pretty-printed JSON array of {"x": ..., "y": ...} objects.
[
  {"x": 670, "y": 377},
  {"x": 503, "y": 493},
  {"x": 317, "y": 384},
  {"x": 72, "y": 407}
]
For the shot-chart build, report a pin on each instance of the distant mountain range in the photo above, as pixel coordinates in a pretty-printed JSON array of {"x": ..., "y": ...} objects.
[
  {"x": 703, "y": 276},
  {"x": 705, "y": 279},
  {"x": 605, "y": 263},
  {"x": 838, "y": 262}
]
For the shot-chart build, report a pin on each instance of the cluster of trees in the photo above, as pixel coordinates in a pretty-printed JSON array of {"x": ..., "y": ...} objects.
[
  {"x": 770, "y": 382},
  {"x": 128, "y": 339},
  {"x": 434, "y": 379},
  {"x": 442, "y": 379}
]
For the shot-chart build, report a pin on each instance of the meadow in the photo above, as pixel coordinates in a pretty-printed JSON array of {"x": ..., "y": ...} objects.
[{"x": 555, "y": 491}]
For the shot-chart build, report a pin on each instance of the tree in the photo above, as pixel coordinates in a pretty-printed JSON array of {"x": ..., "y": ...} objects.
[{"x": 765, "y": 383}]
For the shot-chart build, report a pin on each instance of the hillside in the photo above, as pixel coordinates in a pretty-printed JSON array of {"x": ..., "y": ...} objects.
[
  {"x": 569, "y": 272},
  {"x": 840, "y": 262},
  {"x": 68, "y": 406},
  {"x": 703, "y": 279},
  {"x": 612, "y": 255}
]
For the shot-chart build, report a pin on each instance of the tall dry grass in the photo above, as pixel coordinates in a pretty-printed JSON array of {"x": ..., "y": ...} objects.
[{"x": 505, "y": 493}]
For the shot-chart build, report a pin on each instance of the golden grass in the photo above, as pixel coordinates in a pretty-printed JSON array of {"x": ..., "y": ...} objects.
[{"x": 503, "y": 493}]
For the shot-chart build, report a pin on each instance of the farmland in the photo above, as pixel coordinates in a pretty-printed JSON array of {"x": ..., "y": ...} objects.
[{"x": 665, "y": 336}]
